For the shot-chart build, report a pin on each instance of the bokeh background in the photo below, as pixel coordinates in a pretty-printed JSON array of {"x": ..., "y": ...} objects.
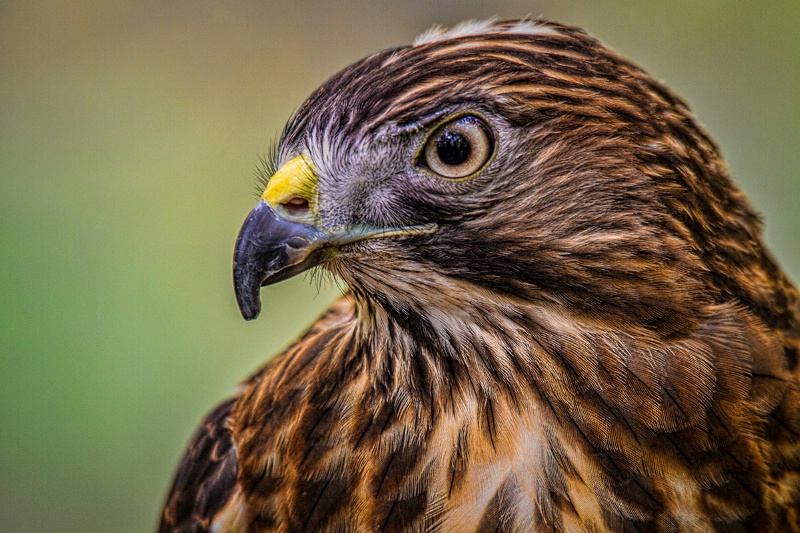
[{"x": 129, "y": 132}]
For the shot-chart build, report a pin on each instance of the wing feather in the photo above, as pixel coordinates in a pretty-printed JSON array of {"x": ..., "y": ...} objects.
[{"x": 205, "y": 491}]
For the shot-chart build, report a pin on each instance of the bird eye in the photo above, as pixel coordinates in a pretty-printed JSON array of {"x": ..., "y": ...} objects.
[{"x": 459, "y": 148}]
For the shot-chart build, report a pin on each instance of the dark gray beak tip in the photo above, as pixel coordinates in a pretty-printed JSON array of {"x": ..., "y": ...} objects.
[
  {"x": 246, "y": 270},
  {"x": 270, "y": 249},
  {"x": 248, "y": 296}
]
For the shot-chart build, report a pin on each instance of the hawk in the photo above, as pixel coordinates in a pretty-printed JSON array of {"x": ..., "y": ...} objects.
[{"x": 560, "y": 313}]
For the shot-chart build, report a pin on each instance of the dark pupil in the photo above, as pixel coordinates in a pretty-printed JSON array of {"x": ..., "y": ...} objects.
[{"x": 452, "y": 148}]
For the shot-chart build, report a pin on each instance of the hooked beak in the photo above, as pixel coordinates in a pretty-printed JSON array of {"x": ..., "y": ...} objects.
[
  {"x": 273, "y": 246},
  {"x": 270, "y": 249}
]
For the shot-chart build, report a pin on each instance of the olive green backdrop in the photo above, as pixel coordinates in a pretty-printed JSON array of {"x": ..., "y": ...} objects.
[{"x": 128, "y": 136}]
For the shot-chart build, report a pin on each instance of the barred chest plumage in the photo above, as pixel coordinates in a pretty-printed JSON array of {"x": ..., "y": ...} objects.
[{"x": 568, "y": 434}]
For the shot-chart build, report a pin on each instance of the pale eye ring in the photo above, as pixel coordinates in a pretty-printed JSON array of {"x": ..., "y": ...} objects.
[{"x": 458, "y": 149}]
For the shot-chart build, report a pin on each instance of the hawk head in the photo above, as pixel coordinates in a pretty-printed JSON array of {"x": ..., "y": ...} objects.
[{"x": 511, "y": 161}]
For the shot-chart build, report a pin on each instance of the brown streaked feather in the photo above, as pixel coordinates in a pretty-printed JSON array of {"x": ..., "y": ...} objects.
[
  {"x": 673, "y": 440},
  {"x": 205, "y": 494},
  {"x": 205, "y": 491}
]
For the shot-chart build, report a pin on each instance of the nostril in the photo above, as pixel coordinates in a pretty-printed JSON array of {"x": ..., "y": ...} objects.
[{"x": 296, "y": 205}]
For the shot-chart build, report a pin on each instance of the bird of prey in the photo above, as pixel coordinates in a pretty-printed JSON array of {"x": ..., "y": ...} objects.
[{"x": 560, "y": 314}]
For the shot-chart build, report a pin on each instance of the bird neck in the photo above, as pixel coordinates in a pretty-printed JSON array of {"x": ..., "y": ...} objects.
[
  {"x": 438, "y": 346},
  {"x": 523, "y": 356}
]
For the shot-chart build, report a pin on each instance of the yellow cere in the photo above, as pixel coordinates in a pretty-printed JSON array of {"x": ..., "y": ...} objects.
[{"x": 296, "y": 178}]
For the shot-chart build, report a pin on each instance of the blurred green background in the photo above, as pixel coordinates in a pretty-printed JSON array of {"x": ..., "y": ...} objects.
[{"x": 128, "y": 136}]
